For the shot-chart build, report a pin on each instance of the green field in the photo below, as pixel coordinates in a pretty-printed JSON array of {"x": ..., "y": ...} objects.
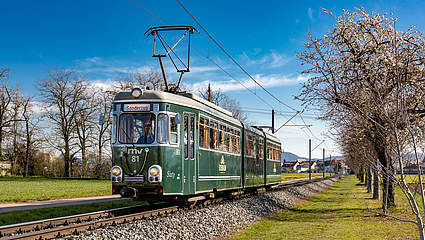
[
  {"x": 19, "y": 189},
  {"x": 292, "y": 176},
  {"x": 334, "y": 214}
]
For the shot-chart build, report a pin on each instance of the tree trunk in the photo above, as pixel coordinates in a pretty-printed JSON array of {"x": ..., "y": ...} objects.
[
  {"x": 1, "y": 139},
  {"x": 376, "y": 188},
  {"x": 369, "y": 179},
  {"x": 362, "y": 175},
  {"x": 387, "y": 169},
  {"x": 66, "y": 158}
]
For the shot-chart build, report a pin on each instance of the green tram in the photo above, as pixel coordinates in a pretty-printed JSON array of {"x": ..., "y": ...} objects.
[{"x": 180, "y": 147}]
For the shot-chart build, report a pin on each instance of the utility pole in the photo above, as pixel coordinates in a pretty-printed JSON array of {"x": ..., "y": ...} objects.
[
  {"x": 273, "y": 121},
  {"x": 323, "y": 162},
  {"x": 209, "y": 93},
  {"x": 309, "y": 159}
]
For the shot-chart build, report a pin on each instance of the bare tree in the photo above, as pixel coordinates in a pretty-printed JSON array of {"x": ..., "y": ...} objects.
[
  {"x": 151, "y": 78},
  {"x": 62, "y": 92},
  {"x": 6, "y": 98},
  {"x": 371, "y": 73},
  {"x": 103, "y": 129},
  {"x": 221, "y": 99},
  {"x": 85, "y": 122}
]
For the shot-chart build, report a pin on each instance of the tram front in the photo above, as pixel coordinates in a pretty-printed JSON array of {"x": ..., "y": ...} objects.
[{"x": 144, "y": 129}]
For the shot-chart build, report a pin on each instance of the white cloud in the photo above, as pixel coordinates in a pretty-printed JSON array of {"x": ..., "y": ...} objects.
[
  {"x": 310, "y": 14},
  {"x": 105, "y": 68},
  {"x": 270, "y": 60},
  {"x": 273, "y": 80}
]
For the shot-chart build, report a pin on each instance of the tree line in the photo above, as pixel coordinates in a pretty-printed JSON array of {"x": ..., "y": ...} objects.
[
  {"x": 57, "y": 131},
  {"x": 367, "y": 80}
]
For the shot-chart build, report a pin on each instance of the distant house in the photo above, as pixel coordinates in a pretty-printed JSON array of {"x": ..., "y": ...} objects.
[
  {"x": 5, "y": 168},
  {"x": 290, "y": 166},
  {"x": 319, "y": 166},
  {"x": 413, "y": 168},
  {"x": 304, "y": 165}
]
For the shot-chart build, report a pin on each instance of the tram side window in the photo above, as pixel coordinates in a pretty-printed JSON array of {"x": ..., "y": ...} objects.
[
  {"x": 275, "y": 152},
  {"x": 162, "y": 130},
  {"x": 261, "y": 148},
  {"x": 213, "y": 135},
  {"x": 280, "y": 153},
  {"x": 114, "y": 128},
  {"x": 237, "y": 141},
  {"x": 186, "y": 137},
  {"x": 203, "y": 132},
  {"x": 174, "y": 134},
  {"x": 192, "y": 137},
  {"x": 228, "y": 139},
  {"x": 223, "y": 137},
  {"x": 250, "y": 145},
  {"x": 253, "y": 146},
  {"x": 269, "y": 156},
  {"x": 248, "y": 150},
  {"x": 231, "y": 140}
]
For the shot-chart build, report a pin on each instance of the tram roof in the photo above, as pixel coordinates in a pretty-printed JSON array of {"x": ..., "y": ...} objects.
[{"x": 189, "y": 99}]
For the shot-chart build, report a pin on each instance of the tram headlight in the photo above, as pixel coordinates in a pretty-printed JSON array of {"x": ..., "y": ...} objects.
[
  {"x": 154, "y": 171},
  {"x": 136, "y": 93},
  {"x": 155, "y": 174},
  {"x": 116, "y": 174},
  {"x": 116, "y": 171}
]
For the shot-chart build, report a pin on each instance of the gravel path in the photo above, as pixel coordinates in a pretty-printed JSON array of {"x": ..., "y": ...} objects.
[{"x": 212, "y": 222}]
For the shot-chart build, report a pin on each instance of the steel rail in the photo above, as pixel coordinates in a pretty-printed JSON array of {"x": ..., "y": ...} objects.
[
  {"x": 77, "y": 224},
  {"x": 6, "y": 232}
]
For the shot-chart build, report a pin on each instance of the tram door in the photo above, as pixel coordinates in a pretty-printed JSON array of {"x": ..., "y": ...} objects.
[{"x": 189, "y": 148}]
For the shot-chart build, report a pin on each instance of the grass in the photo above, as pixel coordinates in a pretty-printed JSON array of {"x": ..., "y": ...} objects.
[
  {"x": 46, "y": 213},
  {"x": 19, "y": 189},
  {"x": 333, "y": 214},
  {"x": 292, "y": 176}
]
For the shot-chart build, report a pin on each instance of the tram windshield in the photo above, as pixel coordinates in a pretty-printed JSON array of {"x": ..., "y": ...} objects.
[{"x": 136, "y": 128}]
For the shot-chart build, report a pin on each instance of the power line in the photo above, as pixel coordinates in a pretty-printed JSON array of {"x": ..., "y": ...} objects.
[
  {"x": 211, "y": 38},
  {"x": 234, "y": 59}
]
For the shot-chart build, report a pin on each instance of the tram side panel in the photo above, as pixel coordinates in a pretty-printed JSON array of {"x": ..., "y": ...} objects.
[
  {"x": 219, "y": 162},
  {"x": 273, "y": 162},
  {"x": 253, "y": 163}
]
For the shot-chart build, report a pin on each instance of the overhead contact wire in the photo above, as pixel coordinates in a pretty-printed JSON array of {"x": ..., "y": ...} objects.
[{"x": 211, "y": 38}]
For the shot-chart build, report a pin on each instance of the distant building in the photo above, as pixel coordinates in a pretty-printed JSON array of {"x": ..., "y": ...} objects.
[
  {"x": 304, "y": 166},
  {"x": 413, "y": 169},
  {"x": 5, "y": 168},
  {"x": 290, "y": 166}
]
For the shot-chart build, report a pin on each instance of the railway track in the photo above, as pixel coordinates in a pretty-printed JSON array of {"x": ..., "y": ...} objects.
[{"x": 78, "y": 224}]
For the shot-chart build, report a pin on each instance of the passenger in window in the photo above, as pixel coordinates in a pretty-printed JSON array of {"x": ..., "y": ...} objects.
[{"x": 147, "y": 136}]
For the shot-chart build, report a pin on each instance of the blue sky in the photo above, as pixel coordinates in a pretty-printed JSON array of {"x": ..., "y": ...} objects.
[{"x": 104, "y": 38}]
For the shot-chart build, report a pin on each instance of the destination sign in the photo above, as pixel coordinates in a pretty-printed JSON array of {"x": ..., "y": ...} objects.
[{"x": 136, "y": 107}]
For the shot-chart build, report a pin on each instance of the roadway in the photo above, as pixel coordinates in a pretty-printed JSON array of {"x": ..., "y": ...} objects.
[{"x": 9, "y": 207}]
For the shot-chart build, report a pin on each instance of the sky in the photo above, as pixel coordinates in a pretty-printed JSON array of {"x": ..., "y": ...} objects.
[{"x": 101, "y": 39}]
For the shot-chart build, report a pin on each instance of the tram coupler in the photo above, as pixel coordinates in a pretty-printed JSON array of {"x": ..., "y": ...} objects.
[{"x": 127, "y": 192}]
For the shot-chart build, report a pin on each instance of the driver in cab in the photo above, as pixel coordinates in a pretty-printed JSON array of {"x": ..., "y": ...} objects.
[{"x": 147, "y": 136}]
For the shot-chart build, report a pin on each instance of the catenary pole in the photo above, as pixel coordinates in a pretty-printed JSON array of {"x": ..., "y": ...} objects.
[
  {"x": 323, "y": 162},
  {"x": 309, "y": 159}
]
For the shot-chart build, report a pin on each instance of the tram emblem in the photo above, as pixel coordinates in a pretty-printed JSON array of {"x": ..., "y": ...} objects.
[
  {"x": 135, "y": 151},
  {"x": 222, "y": 165}
]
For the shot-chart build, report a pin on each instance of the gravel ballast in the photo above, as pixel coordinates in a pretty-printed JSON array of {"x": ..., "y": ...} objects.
[{"x": 211, "y": 222}]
